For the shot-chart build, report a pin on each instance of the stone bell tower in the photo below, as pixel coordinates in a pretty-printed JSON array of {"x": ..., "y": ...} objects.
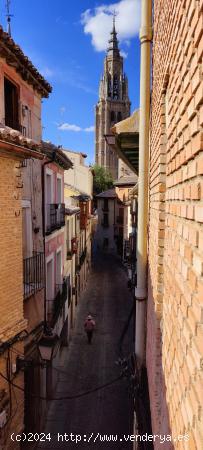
[{"x": 113, "y": 105}]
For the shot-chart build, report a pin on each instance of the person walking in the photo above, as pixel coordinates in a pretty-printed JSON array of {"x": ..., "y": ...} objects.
[{"x": 89, "y": 327}]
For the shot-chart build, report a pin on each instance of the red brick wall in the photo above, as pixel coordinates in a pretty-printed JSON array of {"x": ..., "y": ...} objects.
[
  {"x": 175, "y": 301},
  {"x": 12, "y": 319}
]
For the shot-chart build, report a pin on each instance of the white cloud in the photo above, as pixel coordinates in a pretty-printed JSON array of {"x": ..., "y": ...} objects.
[
  {"x": 69, "y": 127},
  {"x": 62, "y": 110},
  {"x": 89, "y": 129},
  {"x": 127, "y": 42},
  {"x": 124, "y": 54},
  {"x": 72, "y": 127},
  {"x": 47, "y": 72},
  {"x": 98, "y": 22}
]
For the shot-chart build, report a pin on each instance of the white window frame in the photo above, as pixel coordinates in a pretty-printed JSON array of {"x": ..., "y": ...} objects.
[
  {"x": 59, "y": 250},
  {"x": 59, "y": 177},
  {"x": 50, "y": 173},
  {"x": 48, "y": 259},
  {"x": 26, "y": 204}
]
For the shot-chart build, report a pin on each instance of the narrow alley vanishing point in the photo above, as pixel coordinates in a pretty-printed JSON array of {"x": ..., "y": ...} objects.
[{"x": 109, "y": 410}]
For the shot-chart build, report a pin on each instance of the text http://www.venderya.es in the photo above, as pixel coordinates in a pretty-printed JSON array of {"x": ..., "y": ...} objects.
[{"x": 97, "y": 437}]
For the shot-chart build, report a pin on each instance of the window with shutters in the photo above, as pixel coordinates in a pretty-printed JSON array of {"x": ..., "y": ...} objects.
[{"x": 11, "y": 102}]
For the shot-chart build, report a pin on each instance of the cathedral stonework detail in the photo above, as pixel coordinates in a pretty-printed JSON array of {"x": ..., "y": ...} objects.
[{"x": 113, "y": 105}]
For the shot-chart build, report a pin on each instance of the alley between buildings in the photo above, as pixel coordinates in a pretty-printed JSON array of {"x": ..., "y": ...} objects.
[{"x": 109, "y": 410}]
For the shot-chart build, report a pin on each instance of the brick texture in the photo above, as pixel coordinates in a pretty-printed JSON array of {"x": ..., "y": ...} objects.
[
  {"x": 11, "y": 281},
  {"x": 175, "y": 300}
]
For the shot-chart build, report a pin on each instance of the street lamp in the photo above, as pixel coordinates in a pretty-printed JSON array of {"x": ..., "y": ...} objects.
[{"x": 48, "y": 346}]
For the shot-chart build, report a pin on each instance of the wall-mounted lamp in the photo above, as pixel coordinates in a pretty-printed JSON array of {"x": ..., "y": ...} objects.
[{"x": 48, "y": 347}]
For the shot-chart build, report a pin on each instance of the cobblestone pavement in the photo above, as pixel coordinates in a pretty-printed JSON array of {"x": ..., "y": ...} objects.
[{"x": 107, "y": 411}]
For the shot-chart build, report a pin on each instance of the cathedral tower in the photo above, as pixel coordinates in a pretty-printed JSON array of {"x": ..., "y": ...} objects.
[{"x": 113, "y": 105}]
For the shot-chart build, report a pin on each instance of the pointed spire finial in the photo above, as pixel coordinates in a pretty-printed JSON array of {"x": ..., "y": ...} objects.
[
  {"x": 114, "y": 20},
  {"x": 113, "y": 41},
  {"x": 8, "y": 15}
]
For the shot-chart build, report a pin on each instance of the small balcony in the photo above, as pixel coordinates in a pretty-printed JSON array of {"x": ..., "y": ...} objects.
[
  {"x": 55, "y": 306},
  {"x": 33, "y": 274},
  {"x": 15, "y": 125},
  {"x": 55, "y": 217},
  {"x": 72, "y": 247}
]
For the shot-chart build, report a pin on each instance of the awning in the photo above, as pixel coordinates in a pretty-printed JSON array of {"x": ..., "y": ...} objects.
[{"x": 124, "y": 140}]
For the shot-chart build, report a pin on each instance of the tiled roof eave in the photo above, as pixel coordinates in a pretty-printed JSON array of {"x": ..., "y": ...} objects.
[
  {"x": 12, "y": 149},
  {"x": 15, "y": 57},
  {"x": 56, "y": 155}
]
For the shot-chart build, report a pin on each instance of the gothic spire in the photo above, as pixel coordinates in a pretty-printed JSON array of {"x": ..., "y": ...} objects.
[{"x": 113, "y": 49}]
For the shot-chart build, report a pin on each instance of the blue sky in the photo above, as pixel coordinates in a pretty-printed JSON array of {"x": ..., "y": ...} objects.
[{"x": 66, "y": 41}]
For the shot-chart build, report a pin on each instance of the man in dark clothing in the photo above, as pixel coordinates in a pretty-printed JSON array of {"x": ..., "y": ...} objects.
[{"x": 89, "y": 326}]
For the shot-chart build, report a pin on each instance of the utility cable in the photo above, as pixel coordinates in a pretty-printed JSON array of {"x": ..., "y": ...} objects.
[{"x": 68, "y": 397}]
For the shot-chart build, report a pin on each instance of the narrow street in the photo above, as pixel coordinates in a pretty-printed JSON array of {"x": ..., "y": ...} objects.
[{"x": 105, "y": 411}]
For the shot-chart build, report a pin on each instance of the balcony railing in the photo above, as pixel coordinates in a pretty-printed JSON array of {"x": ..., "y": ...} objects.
[
  {"x": 58, "y": 302},
  {"x": 55, "y": 216},
  {"x": 33, "y": 274},
  {"x": 16, "y": 125}
]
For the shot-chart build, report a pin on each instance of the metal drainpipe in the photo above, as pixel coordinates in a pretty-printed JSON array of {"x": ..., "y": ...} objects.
[
  {"x": 141, "y": 289},
  {"x": 43, "y": 228}
]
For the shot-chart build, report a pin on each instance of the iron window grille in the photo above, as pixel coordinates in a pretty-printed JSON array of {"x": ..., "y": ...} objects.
[
  {"x": 33, "y": 274},
  {"x": 55, "y": 217}
]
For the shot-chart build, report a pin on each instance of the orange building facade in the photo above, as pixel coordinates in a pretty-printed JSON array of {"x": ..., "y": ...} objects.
[{"x": 21, "y": 296}]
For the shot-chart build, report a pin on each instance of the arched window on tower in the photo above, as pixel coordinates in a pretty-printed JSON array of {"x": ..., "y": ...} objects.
[
  {"x": 112, "y": 116},
  {"x": 119, "y": 116},
  {"x": 109, "y": 86},
  {"x": 124, "y": 88},
  {"x": 115, "y": 87}
]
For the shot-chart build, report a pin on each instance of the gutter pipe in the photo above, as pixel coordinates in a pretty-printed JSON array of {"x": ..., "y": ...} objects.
[
  {"x": 141, "y": 289},
  {"x": 44, "y": 235}
]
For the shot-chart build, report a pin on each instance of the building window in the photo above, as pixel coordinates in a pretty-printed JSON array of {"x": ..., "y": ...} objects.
[
  {"x": 49, "y": 188},
  {"x": 11, "y": 102},
  {"x": 109, "y": 85},
  {"x": 59, "y": 268},
  {"x": 115, "y": 87},
  {"x": 105, "y": 222},
  {"x": 112, "y": 116},
  {"x": 120, "y": 232},
  {"x": 106, "y": 204},
  {"x": 59, "y": 189},
  {"x": 119, "y": 116},
  {"x": 50, "y": 281}
]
